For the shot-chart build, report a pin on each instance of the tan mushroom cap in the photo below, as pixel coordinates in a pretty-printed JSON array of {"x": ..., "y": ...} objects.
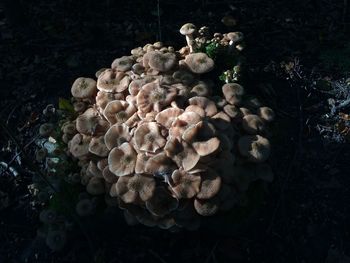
[
  {"x": 116, "y": 135},
  {"x": 148, "y": 138},
  {"x": 93, "y": 170},
  {"x": 188, "y": 29},
  {"x": 119, "y": 111},
  {"x": 181, "y": 153},
  {"x": 199, "y": 62},
  {"x": 122, "y": 160},
  {"x": 136, "y": 84},
  {"x": 221, "y": 120},
  {"x": 196, "y": 109},
  {"x": 210, "y": 184},
  {"x": 207, "y": 207},
  {"x": 232, "y": 111},
  {"x": 233, "y": 93},
  {"x": 98, "y": 147},
  {"x": 103, "y": 98},
  {"x": 204, "y": 103},
  {"x": 253, "y": 124},
  {"x": 141, "y": 162},
  {"x": 109, "y": 176},
  {"x": 161, "y": 61},
  {"x": 182, "y": 122},
  {"x": 69, "y": 128},
  {"x": 160, "y": 164},
  {"x": 154, "y": 96},
  {"x": 185, "y": 185},
  {"x": 123, "y": 63},
  {"x": 91, "y": 123},
  {"x": 255, "y": 147},
  {"x": 79, "y": 145},
  {"x": 201, "y": 89},
  {"x": 83, "y": 88},
  {"x": 162, "y": 202},
  {"x": 266, "y": 113},
  {"x": 166, "y": 117},
  {"x": 112, "y": 80},
  {"x": 96, "y": 186}
]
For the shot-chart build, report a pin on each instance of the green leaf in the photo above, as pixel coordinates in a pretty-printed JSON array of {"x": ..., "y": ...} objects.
[{"x": 64, "y": 104}]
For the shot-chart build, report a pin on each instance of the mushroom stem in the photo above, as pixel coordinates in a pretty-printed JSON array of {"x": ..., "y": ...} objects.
[{"x": 190, "y": 42}]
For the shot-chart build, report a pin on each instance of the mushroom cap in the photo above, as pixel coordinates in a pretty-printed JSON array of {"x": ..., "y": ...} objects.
[
  {"x": 123, "y": 63},
  {"x": 253, "y": 124},
  {"x": 141, "y": 162},
  {"x": 46, "y": 129},
  {"x": 199, "y": 63},
  {"x": 109, "y": 176},
  {"x": 83, "y": 88},
  {"x": 97, "y": 146},
  {"x": 148, "y": 138},
  {"x": 221, "y": 120},
  {"x": 112, "y": 80},
  {"x": 122, "y": 160},
  {"x": 166, "y": 117},
  {"x": 91, "y": 123},
  {"x": 154, "y": 96},
  {"x": 185, "y": 185},
  {"x": 235, "y": 36},
  {"x": 232, "y": 111},
  {"x": 206, "y": 104},
  {"x": 96, "y": 186},
  {"x": 79, "y": 145},
  {"x": 188, "y": 29},
  {"x": 255, "y": 147},
  {"x": 207, "y": 207},
  {"x": 119, "y": 111},
  {"x": 210, "y": 184},
  {"x": 160, "y": 164},
  {"x": 181, "y": 153},
  {"x": 161, "y": 61},
  {"x": 162, "y": 202},
  {"x": 201, "y": 89},
  {"x": 116, "y": 135},
  {"x": 233, "y": 93},
  {"x": 103, "y": 98},
  {"x": 266, "y": 113}
]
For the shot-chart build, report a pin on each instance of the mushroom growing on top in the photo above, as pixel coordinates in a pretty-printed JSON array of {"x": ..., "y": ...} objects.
[
  {"x": 199, "y": 63},
  {"x": 83, "y": 88},
  {"x": 189, "y": 30}
]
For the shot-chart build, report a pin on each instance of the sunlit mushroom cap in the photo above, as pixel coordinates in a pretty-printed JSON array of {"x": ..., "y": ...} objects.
[
  {"x": 167, "y": 116},
  {"x": 188, "y": 29},
  {"x": 112, "y": 80},
  {"x": 122, "y": 160},
  {"x": 253, "y": 124},
  {"x": 255, "y": 147},
  {"x": 148, "y": 138},
  {"x": 118, "y": 111},
  {"x": 154, "y": 96},
  {"x": 103, "y": 98},
  {"x": 206, "y": 104},
  {"x": 161, "y": 61},
  {"x": 199, "y": 63},
  {"x": 79, "y": 145},
  {"x": 91, "y": 123},
  {"x": 83, "y": 88},
  {"x": 162, "y": 202},
  {"x": 97, "y": 146},
  {"x": 116, "y": 135},
  {"x": 233, "y": 93},
  {"x": 123, "y": 63},
  {"x": 185, "y": 185}
]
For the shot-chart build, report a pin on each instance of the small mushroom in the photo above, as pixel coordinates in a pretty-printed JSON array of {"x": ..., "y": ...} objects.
[
  {"x": 103, "y": 98},
  {"x": 233, "y": 93},
  {"x": 189, "y": 30},
  {"x": 207, "y": 207},
  {"x": 123, "y": 63},
  {"x": 199, "y": 63},
  {"x": 122, "y": 160},
  {"x": 79, "y": 145},
  {"x": 255, "y": 147},
  {"x": 91, "y": 123},
  {"x": 206, "y": 104},
  {"x": 83, "y": 88},
  {"x": 253, "y": 124},
  {"x": 161, "y": 61},
  {"x": 167, "y": 116},
  {"x": 148, "y": 138},
  {"x": 98, "y": 147},
  {"x": 116, "y": 135},
  {"x": 112, "y": 80},
  {"x": 210, "y": 184},
  {"x": 185, "y": 185},
  {"x": 266, "y": 114},
  {"x": 118, "y": 111}
]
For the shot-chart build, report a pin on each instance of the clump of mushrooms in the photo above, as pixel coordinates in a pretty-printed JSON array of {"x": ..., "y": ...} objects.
[{"x": 168, "y": 145}]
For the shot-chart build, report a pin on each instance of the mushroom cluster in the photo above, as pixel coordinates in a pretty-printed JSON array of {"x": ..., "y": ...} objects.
[{"x": 162, "y": 141}]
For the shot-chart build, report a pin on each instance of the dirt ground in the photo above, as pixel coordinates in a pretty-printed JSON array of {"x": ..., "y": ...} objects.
[{"x": 45, "y": 46}]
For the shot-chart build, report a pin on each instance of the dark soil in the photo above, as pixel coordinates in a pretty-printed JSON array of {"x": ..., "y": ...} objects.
[{"x": 46, "y": 45}]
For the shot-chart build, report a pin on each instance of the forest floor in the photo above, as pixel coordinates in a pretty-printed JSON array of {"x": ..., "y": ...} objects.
[{"x": 290, "y": 46}]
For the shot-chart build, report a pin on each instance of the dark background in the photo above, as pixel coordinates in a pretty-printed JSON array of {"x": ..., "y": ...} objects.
[{"x": 46, "y": 45}]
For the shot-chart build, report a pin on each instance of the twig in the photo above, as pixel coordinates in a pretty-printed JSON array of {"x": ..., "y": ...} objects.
[
  {"x": 212, "y": 255},
  {"x": 156, "y": 256}
]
